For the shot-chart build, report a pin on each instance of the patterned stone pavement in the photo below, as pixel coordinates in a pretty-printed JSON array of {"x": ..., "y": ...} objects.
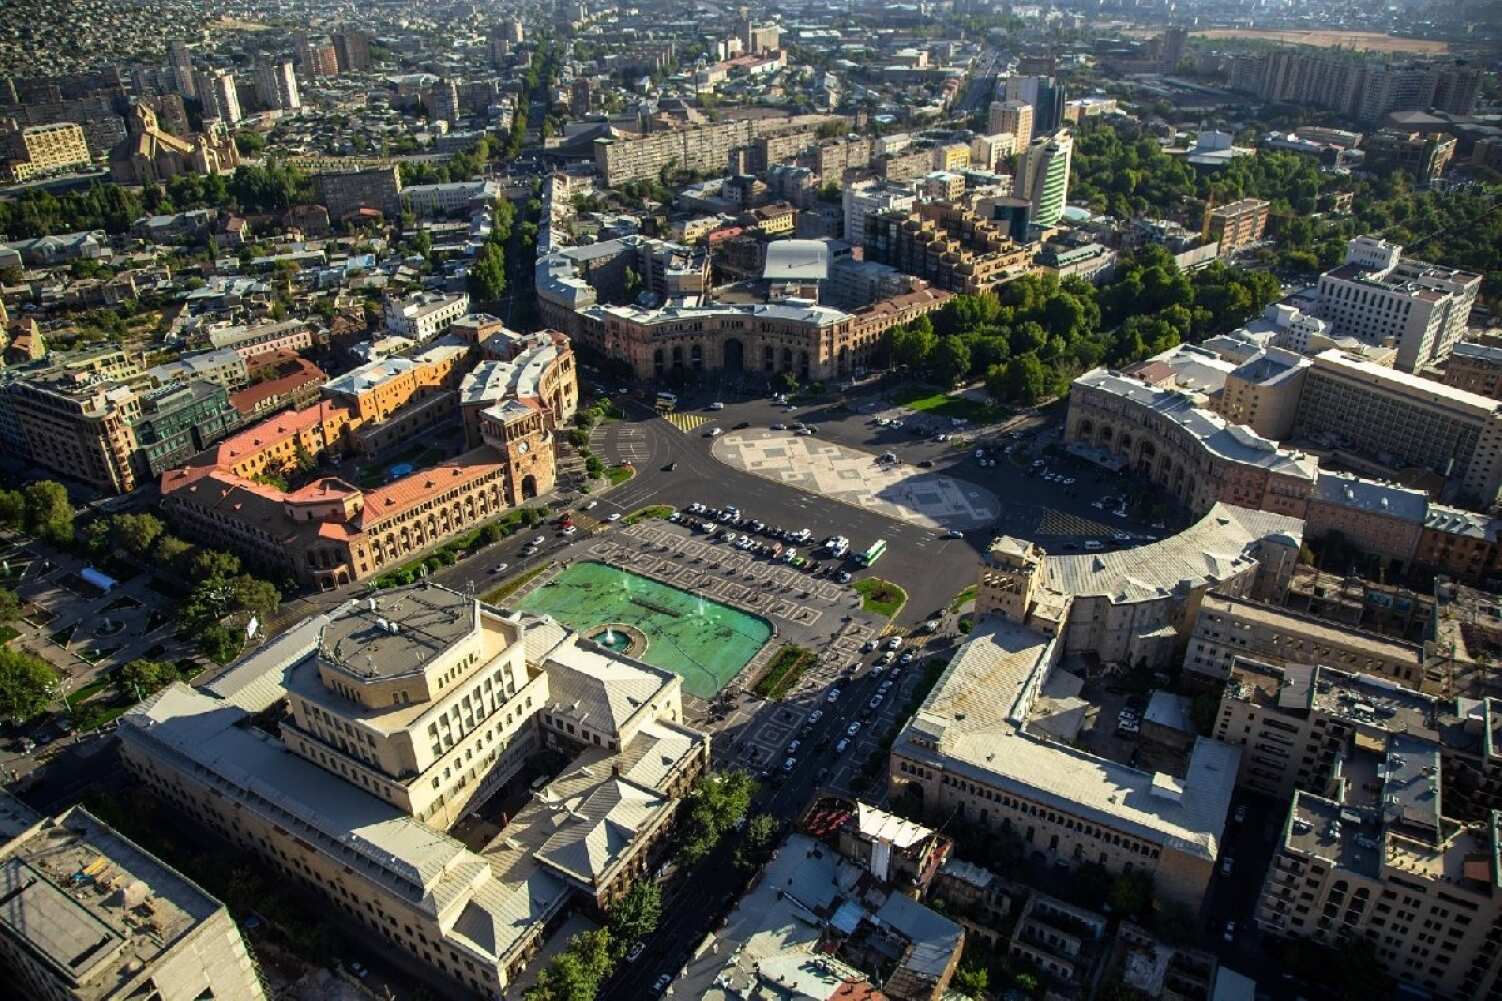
[{"x": 899, "y": 491}]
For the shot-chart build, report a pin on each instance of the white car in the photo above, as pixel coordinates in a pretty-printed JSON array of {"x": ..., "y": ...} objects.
[
  {"x": 591, "y": 505},
  {"x": 887, "y": 658},
  {"x": 793, "y": 746},
  {"x": 713, "y": 433},
  {"x": 571, "y": 531},
  {"x": 717, "y": 405},
  {"x": 894, "y": 642},
  {"x": 614, "y": 516},
  {"x": 840, "y": 747},
  {"x": 787, "y": 765},
  {"x": 834, "y": 695},
  {"x": 500, "y": 568},
  {"x": 636, "y": 951},
  {"x": 853, "y": 729},
  {"x": 804, "y": 432}
]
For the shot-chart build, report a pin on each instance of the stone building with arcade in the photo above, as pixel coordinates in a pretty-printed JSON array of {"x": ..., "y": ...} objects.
[{"x": 674, "y": 327}]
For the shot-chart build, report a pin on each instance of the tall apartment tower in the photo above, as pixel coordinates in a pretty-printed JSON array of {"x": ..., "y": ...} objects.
[
  {"x": 182, "y": 69},
  {"x": 1045, "y": 94},
  {"x": 276, "y": 86},
  {"x": 1014, "y": 118},
  {"x": 1171, "y": 47},
  {"x": 511, "y": 30},
  {"x": 352, "y": 50},
  {"x": 1043, "y": 176},
  {"x": 217, "y": 94}
]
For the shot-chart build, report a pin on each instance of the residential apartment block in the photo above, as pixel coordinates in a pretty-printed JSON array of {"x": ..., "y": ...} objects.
[
  {"x": 703, "y": 148},
  {"x": 1237, "y": 224},
  {"x": 1375, "y": 845},
  {"x": 341, "y": 752},
  {"x": 88, "y": 915},
  {"x": 1015, "y": 118},
  {"x": 75, "y": 423},
  {"x": 1423, "y": 156},
  {"x": 1043, "y": 177},
  {"x": 946, "y": 245},
  {"x": 1378, "y": 294},
  {"x": 37, "y": 150},
  {"x": 424, "y": 315},
  {"x": 863, "y": 199},
  {"x": 1227, "y": 627}
]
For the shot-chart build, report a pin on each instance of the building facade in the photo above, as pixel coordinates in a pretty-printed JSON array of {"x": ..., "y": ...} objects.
[
  {"x": 1227, "y": 627},
  {"x": 1237, "y": 224}
]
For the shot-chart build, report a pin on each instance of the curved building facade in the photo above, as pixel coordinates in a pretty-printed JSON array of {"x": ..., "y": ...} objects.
[{"x": 1193, "y": 454}]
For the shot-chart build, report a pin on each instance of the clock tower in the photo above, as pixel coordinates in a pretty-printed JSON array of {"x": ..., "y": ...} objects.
[{"x": 520, "y": 434}]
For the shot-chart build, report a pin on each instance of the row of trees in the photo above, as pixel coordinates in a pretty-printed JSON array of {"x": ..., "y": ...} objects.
[
  {"x": 1032, "y": 337},
  {"x": 112, "y": 207}
]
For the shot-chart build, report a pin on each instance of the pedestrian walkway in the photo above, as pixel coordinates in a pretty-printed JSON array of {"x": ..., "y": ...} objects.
[{"x": 687, "y": 422}]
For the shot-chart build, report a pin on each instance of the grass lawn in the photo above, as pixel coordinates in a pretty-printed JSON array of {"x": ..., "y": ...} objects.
[
  {"x": 958, "y": 601},
  {"x": 497, "y": 595},
  {"x": 658, "y": 511},
  {"x": 941, "y": 405},
  {"x": 619, "y": 474},
  {"x": 880, "y": 596},
  {"x": 784, "y": 671}
]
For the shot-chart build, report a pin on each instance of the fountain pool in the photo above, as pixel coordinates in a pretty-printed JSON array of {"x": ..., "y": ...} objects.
[{"x": 703, "y": 641}]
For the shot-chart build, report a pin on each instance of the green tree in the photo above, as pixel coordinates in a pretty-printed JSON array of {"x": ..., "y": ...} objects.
[
  {"x": 487, "y": 275},
  {"x": 12, "y": 510},
  {"x": 10, "y": 605},
  {"x": 972, "y": 980},
  {"x": 254, "y": 595},
  {"x": 949, "y": 362},
  {"x": 756, "y": 841},
  {"x": 636, "y": 914},
  {"x": 170, "y": 553},
  {"x": 218, "y": 643},
  {"x": 213, "y": 565},
  {"x": 910, "y": 346},
  {"x": 27, "y": 685},
  {"x": 1131, "y": 894},
  {"x": 136, "y": 533},
  {"x": 141, "y": 678},
  {"x": 715, "y": 806},
  {"x": 49, "y": 513}
]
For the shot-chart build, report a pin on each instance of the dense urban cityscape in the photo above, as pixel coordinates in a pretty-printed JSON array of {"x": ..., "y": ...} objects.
[{"x": 833, "y": 501}]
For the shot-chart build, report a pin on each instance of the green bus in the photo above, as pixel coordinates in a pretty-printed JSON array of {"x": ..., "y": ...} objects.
[{"x": 870, "y": 556}]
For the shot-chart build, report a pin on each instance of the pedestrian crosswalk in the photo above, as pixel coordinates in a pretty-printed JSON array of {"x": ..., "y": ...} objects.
[{"x": 687, "y": 422}]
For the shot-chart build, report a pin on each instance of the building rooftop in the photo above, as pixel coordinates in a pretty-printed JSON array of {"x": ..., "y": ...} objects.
[
  {"x": 92, "y": 906},
  {"x": 1311, "y": 627},
  {"x": 1372, "y": 497},
  {"x": 1414, "y": 387},
  {"x": 796, "y": 260},
  {"x": 974, "y": 718},
  {"x": 397, "y": 632},
  {"x": 1213, "y": 549}
]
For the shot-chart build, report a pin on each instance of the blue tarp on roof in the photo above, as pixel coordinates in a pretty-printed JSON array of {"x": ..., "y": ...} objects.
[{"x": 99, "y": 579}]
